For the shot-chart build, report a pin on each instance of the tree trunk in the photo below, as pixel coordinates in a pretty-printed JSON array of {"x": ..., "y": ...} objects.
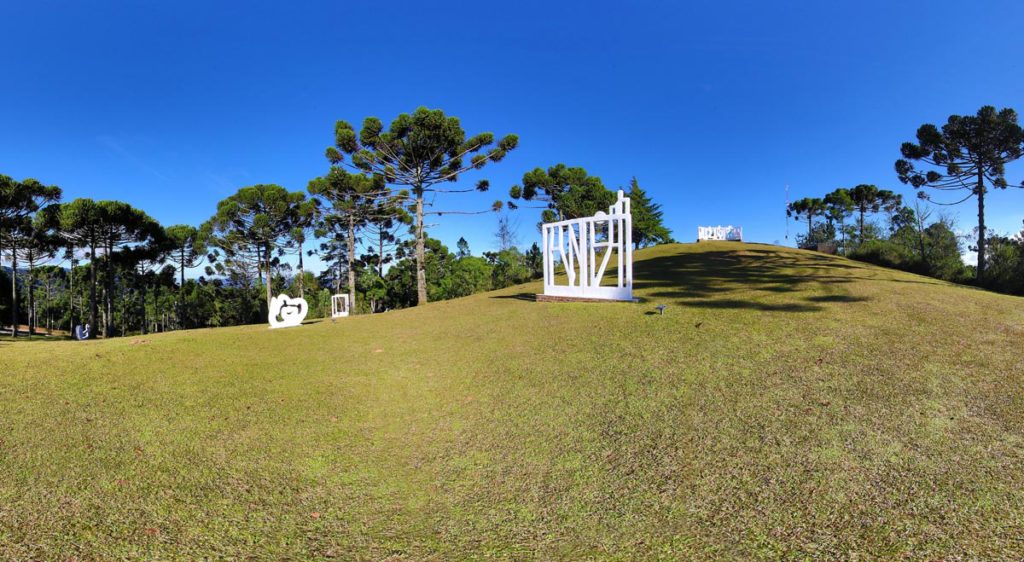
[
  {"x": 302, "y": 280},
  {"x": 142, "y": 308},
  {"x": 108, "y": 326},
  {"x": 31, "y": 295},
  {"x": 181, "y": 292},
  {"x": 421, "y": 275},
  {"x": 71, "y": 293},
  {"x": 93, "y": 326},
  {"x": 49, "y": 309},
  {"x": 981, "y": 226},
  {"x": 14, "y": 292},
  {"x": 351, "y": 261},
  {"x": 860, "y": 225},
  {"x": 266, "y": 256},
  {"x": 842, "y": 232},
  {"x": 380, "y": 254}
]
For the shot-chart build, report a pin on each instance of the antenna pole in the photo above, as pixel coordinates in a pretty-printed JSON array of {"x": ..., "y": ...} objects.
[{"x": 787, "y": 211}]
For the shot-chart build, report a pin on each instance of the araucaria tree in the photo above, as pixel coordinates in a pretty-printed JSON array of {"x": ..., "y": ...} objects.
[
  {"x": 187, "y": 251},
  {"x": 568, "y": 193},
  {"x": 80, "y": 227},
  {"x": 349, "y": 201},
  {"x": 806, "y": 209},
  {"x": 968, "y": 155},
  {"x": 122, "y": 229},
  {"x": 420, "y": 151},
  {"x": 19, "y": 202},
  {"x": 838, "y": 206},
  {"x": 869, "y": 199},
  {"x": 254, "y": 226}
]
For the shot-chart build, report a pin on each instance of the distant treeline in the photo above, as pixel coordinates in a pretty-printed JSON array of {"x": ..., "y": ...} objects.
[
  {"x": 965, "y": 160},
  {"x": 114, "y": 267}
]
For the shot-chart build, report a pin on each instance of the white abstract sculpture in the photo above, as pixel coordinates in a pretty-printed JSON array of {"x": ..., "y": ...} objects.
[
  {"x": 578, "y": 243},
  {"x": 290, "y": 311},
  {"x": 339, "y": 306},
  {"x": 733, "y": 233}
]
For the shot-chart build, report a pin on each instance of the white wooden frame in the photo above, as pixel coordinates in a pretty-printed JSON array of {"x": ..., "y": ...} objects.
[
  {"x": 577, "y": 245},
  {"x": 339, "y": 306}
]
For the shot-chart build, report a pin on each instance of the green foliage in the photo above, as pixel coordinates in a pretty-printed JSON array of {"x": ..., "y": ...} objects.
[
  {"x": 648, "y": 228},
  {"x": 966, "y": 157},
  {"x": 251, "y": 230},
  {"x": 465, "y": 276},
  {"x": 933, "y": 250},
  {"x": 838, "y": 207},
  {"x": 821, "y": 233},
  {"x": 569, "y": 193},
  {"x": 807, "y": 209},
  {"x": 869, "y": 199},
  {"x": 1006, "y": 265},
  {"x": 463, "y": 247},
  {"x": 511, "y": 267},
  {"x": 419, "y": 151}
]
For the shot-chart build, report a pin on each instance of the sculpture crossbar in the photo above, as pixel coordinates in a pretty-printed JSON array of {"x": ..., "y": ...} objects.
[
  {"x": 584, "y": 248},
  {"x": 733, "y": 233}
]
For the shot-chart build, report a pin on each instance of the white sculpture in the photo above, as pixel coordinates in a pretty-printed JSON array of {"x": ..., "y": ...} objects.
[
  {"x": 732, "y": 233},
  {"x": 577, "y": 244},
  {"x": 290, "y": 311},
  {"x": 339, "y": 306}
]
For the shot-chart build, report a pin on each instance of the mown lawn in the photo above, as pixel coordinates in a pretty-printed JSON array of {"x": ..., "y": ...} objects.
[{"x": 788, "y": 404}]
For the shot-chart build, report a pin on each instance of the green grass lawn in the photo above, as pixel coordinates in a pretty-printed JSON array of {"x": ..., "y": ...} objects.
[{"x": 788, "y": 404}]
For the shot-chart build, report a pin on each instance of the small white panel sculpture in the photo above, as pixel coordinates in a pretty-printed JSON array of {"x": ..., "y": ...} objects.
[
  {"x": 286, "y": 312},
  {"x": 733, "y": 233},
  {"x": 339, "y": 306},
  {"x": 578, "y": 243}
]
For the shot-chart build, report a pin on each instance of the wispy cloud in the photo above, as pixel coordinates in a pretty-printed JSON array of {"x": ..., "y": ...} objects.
[
  {"x": 226, "y": 182},
  {"x": 118, "y": 149}
]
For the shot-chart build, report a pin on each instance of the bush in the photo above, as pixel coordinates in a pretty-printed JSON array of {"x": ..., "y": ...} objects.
[{"x": 888, "y": 254}]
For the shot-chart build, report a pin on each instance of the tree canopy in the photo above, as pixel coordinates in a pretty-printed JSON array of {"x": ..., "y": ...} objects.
[
  {"x": 568, "y": 193},
  {"x": 648, "y": 226},
  {"x": 967, "y": 156},
  {"x": 421, "y": 151},
  {"x": 252, "y": 228}
]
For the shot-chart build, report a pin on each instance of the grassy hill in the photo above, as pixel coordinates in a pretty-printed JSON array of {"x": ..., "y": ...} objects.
[{"x": 787, "y": 404}]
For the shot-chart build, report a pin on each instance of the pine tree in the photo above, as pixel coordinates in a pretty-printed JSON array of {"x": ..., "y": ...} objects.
[{"x": 648, "y": 229}]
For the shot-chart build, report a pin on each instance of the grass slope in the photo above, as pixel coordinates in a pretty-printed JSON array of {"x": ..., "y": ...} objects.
[{"x": 787, "y": 404}]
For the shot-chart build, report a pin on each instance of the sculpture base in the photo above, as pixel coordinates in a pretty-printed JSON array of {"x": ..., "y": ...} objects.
[{"x": 553, "y": 298}]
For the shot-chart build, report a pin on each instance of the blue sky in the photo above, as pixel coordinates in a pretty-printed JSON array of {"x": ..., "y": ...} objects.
[{"x": 714, "y": 106}]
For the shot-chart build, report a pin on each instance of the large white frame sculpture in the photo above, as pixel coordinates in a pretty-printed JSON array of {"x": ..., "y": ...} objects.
[
  {"x": 577, "y": 245},
  {"x": 339, "y": 306},
  {"x": 290, "y": 311},
  {"x": 732, "y": 233}
]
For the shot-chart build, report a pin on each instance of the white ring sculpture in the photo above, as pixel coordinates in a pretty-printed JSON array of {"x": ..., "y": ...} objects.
[{"x": 290, "y": 311}]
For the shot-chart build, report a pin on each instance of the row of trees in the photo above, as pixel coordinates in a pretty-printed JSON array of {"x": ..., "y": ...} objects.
[
  {"x": 365, "y": 218},
  {"x": 966, "y": 157}
]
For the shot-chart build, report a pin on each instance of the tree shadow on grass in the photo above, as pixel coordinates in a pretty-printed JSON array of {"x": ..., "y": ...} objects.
[
  {"x": 761, "y": 279},
  {"x": 531, "y": 297},
  {"x": 762, "y": 276}
]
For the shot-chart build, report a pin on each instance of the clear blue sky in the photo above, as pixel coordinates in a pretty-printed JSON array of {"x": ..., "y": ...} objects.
[{"x": 714, "y": 106}]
